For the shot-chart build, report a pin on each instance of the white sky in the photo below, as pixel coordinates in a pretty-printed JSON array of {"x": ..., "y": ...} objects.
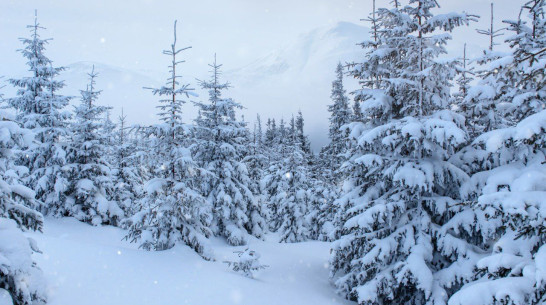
[{"x": 132, "y": 33}]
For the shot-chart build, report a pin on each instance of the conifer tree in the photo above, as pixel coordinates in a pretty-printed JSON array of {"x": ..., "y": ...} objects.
[
  {"x": 524, "y": 71},
  {"x": 173, "y": 209},
  {"x": 502, "y": 216},
  {"x": 464, "y": 80},
  {"x": 357, "y": 111},
  {"x": 294, "y": 201},
  {"x": 340, "y": 115},
  {"x": 90, "y": 179},
  {"x": 287, "y": 188},
  {"x": 300, "y": 137},
  {"x": 40, "y": 108},
  {"x": 483, "y": 110},
  {"x": 270, "y": 133},
  {"x": 401, "y": 187},
  {"x": 21, "y": 281},
  {"x": 129, "y": 180},
  {"x": 219, "y": 150},
  {"x": 256, "y": 162},
  {"x": 108, "y": 129}
]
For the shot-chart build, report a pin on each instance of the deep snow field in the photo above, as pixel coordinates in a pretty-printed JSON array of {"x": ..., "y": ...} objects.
[{"x": 86, "y": 265}]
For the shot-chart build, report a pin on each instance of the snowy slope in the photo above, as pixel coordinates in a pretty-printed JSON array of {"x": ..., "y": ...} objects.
[
  {"x": 312, "y": 51},
  {"x": 92, "y": 265}
]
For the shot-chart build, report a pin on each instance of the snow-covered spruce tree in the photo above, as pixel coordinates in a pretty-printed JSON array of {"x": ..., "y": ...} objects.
[
  {"x": 506, "y": 192},
  {"x": 295, "y": 204},
  {"x": 379, "y": 63},
  {"x": 301, "y": 137},
  {"x": 89, "y": 175},
  {"x": 16, "y": 200},
  {"x": 321, "y": 215},
  {"x": 40, "y": 108},
  {"x": 357, "y": 111},
  {"x": 483, "y": 109},
  {"x": 277, "y": 148},
  {"x": 287, "y": 186},
  {"x": 464, "y": 80},
  {"x": 401, "y": 189},
  {"x": 173, "y": 210},
  {"x": 340, "y": 115},
  {"x": 525, "y": 71},
  {"x": 21, "y": 281},
  {"x": 129, "y": 180},
  {"x": 505, "y": 216},
  {"x": 219, "y": 150},
  {"x": 256, "y": 162},
  {"x": 108, "y": 130},
  {"x": 270, "y": 133},
  {"x": 272, "y": 181}
]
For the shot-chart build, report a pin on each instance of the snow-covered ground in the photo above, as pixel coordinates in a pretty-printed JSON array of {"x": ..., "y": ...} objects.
[{"x": 93, "y": 265}]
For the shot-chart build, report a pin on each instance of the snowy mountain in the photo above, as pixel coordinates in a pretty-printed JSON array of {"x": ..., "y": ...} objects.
[
  {"x": 298, "y": 76},
  {"x": 314, "y": 51}
]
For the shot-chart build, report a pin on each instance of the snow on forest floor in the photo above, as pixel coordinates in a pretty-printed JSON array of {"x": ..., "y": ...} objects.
[{"x": 93, "y": 265}]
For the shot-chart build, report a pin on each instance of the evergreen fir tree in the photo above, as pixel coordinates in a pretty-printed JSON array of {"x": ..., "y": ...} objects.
[
  {"x": 340, "y": 115},
  {"x": 287, "y": 186},
  {"x": 277, "y": 145},
  {"x": 301, "y": 137},
  {"x": 219, "y": 150},
  {"x": 21, "y": 281},
  {"x": 464, "y": 80},
  {"x": 289, "y": 195},
  {"x": 527, "y": 95},
  {"x": 357, "y": 111},
  {"x": 108, "y": 129},
  {"x": 129, "y": 179},
  {"x": 401, "y": 188},
  {"x": 321, "y": 211},
  {"x": 503, "y": 217},
  {"x": 483, "y": 110},
  {"x": 256, "y": 162},
  {"x": 172, "y": 210},
  {"x": 89, "y": 174},
  {"x": 40, "y": 109},
  {"x": 270, "y": 133}
]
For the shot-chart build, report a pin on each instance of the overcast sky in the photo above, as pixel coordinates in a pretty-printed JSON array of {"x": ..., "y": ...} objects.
[
  {"x": 132, "y": 33},
  {"x": 129, "y": 33}
]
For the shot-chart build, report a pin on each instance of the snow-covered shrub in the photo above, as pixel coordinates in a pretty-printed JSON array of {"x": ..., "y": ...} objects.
[{"x": 247, "y": 264}]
